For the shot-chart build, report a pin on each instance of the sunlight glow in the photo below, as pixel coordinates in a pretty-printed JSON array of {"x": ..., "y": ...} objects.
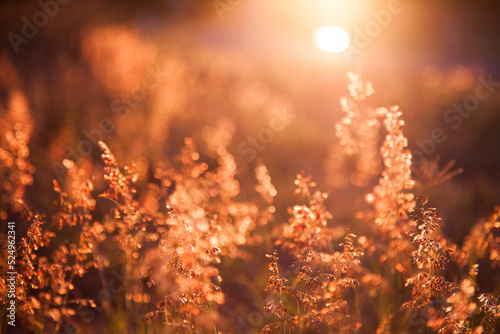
[{"x": 332, "y": 39}]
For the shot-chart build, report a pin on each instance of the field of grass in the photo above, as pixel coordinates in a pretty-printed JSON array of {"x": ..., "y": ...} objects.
[{"x": 157, "y": 260}]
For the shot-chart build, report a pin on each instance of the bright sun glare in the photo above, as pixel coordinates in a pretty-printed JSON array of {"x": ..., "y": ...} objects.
[{"x": 332, "y": 39}]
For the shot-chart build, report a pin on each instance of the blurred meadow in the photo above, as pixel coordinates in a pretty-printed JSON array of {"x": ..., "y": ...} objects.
[{"x": 208, "y": 99}]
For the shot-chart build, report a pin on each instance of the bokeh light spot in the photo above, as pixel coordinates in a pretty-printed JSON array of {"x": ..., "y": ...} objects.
[{"x": 333, "y": 39}]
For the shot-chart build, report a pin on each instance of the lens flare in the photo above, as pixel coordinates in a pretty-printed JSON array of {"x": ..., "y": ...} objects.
[{"x": 333, "y": 39}]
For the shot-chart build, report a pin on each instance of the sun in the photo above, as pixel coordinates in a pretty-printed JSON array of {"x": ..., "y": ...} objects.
[{"x": 332, "y": 39}]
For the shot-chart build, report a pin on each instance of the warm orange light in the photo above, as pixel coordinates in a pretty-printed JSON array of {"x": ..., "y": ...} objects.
[{"x": 333, "y": 39}]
